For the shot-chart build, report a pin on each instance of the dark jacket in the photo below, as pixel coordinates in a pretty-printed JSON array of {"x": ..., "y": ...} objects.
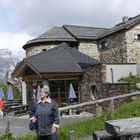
[{"x": 47, "y": 116}]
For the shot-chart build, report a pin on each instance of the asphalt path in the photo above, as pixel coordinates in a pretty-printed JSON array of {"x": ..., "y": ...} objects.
[{"x": 19, "y": 126}]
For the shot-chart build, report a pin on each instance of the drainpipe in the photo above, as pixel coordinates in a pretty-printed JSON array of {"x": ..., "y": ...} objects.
[{"x": 112, "y": 75}]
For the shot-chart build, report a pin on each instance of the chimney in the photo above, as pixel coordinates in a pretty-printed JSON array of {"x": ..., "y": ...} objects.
[{"x": 125, "y": 19}]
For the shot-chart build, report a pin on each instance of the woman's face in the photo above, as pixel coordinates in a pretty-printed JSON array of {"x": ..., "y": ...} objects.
[{"x": 43, "y": 94}]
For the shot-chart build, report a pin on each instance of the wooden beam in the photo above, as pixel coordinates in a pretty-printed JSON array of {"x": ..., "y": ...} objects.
[
  {"x": 52, "y": 76},
  {"x": 31, "y": 78},
  {"x": 112, "y": 109},
  {"x": 18, "y": 71}
]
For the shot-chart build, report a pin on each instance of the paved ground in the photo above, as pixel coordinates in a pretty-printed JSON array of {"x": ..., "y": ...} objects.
[{"x": 19, "y": 125}]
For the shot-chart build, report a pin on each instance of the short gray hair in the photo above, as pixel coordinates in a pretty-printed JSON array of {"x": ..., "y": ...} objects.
[{"x": 46, "y": 89}]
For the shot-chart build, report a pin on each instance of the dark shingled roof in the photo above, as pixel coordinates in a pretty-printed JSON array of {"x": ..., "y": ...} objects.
[
  {"x": 73, "y": 33},
  {"x": 84, "y": 32},
  {"x": 54, "y": 34},
  {"x": 121, "y": 26},
  {"x": 67, "y": 33},
  {"x": 60, "y": 59}
]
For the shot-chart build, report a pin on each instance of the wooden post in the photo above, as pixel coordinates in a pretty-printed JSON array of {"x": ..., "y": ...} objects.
[
  {"x": 70, "y": 112},
  {"x": 72, "y": 135},
  {"x": 112, "y": 109},
  {"x": 65, "y": 92},
  {"x": 98, "y": 110},
  {"x": 59, "y": 102},
  {"x": 24, "y": 94}
]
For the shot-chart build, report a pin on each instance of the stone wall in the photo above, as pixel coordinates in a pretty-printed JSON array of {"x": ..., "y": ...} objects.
[
  {"x": 35, "y": 49},
  {"x": 95, "y": 76},
  {"x": 115, "y": 89},
  {"x": 122, "y": 46},
  {"x": 115, "y": 51},
  {"x": 89, "y": 48},
  {"x": 114, "y": 55},
  {"x": 91, "y": 76},
  {"x": 114, "y": 40},
  {"x": 109, "y": 90},
  {"x": 132, "y": 43}
]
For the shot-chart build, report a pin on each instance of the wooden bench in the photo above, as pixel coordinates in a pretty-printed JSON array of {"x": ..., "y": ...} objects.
[
  {"x": 12, "y": 102},
  {"x": 7, "y": 105},
  {"x": 16, "y": 110},
  {"x": 21, "y": 112}
]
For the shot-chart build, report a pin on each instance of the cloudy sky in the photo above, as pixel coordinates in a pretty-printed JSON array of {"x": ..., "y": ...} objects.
[{"x": 22, "y": 20}]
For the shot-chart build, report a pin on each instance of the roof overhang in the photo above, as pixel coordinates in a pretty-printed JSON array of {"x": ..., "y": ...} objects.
[
  {"x": 22, "y": 68},
  {"x": 29, "y": 73},
  {"x": 52, "y": 76}
]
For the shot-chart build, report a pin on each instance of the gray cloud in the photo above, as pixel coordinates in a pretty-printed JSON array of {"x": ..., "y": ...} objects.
[{"x": 37, "y": 16}]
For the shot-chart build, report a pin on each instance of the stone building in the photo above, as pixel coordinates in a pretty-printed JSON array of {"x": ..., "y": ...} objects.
[{"x": 117, "y": 45}]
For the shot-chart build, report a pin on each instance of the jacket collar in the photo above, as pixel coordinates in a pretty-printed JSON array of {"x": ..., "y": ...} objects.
[{"x": 47, "y": 100}]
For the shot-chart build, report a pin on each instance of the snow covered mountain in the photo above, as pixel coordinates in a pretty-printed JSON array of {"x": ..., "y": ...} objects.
[{"x": 7, "y": 63}]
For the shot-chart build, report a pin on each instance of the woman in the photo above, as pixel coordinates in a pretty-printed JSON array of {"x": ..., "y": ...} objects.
[{"x": 45, "y": 113}]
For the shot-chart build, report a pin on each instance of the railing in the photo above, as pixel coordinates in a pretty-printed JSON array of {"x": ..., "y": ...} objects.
[{"x": 97, "y": 102}]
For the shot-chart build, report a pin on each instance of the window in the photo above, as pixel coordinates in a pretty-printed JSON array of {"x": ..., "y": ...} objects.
[
  {"x": 137, "y": 36},
  {"x": 104, "y": 45},
  {"x": 44, "y": 50}
]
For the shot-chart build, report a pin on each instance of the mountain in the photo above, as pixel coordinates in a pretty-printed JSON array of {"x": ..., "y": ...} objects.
[{"x": 7, "y": 64}]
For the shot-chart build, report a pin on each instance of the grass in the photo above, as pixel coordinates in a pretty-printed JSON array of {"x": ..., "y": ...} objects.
[
  {"x": 28, "y": 137},
  {"x": 83, "y": 129},
  {"x": 129, "y": 110}
]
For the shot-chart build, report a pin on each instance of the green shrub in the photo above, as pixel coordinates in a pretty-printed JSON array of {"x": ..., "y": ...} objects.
[
  {"x": 7, "y": 137},
  {"x": 17, "y": 95},
  {"x": 130, "y": 79}
]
